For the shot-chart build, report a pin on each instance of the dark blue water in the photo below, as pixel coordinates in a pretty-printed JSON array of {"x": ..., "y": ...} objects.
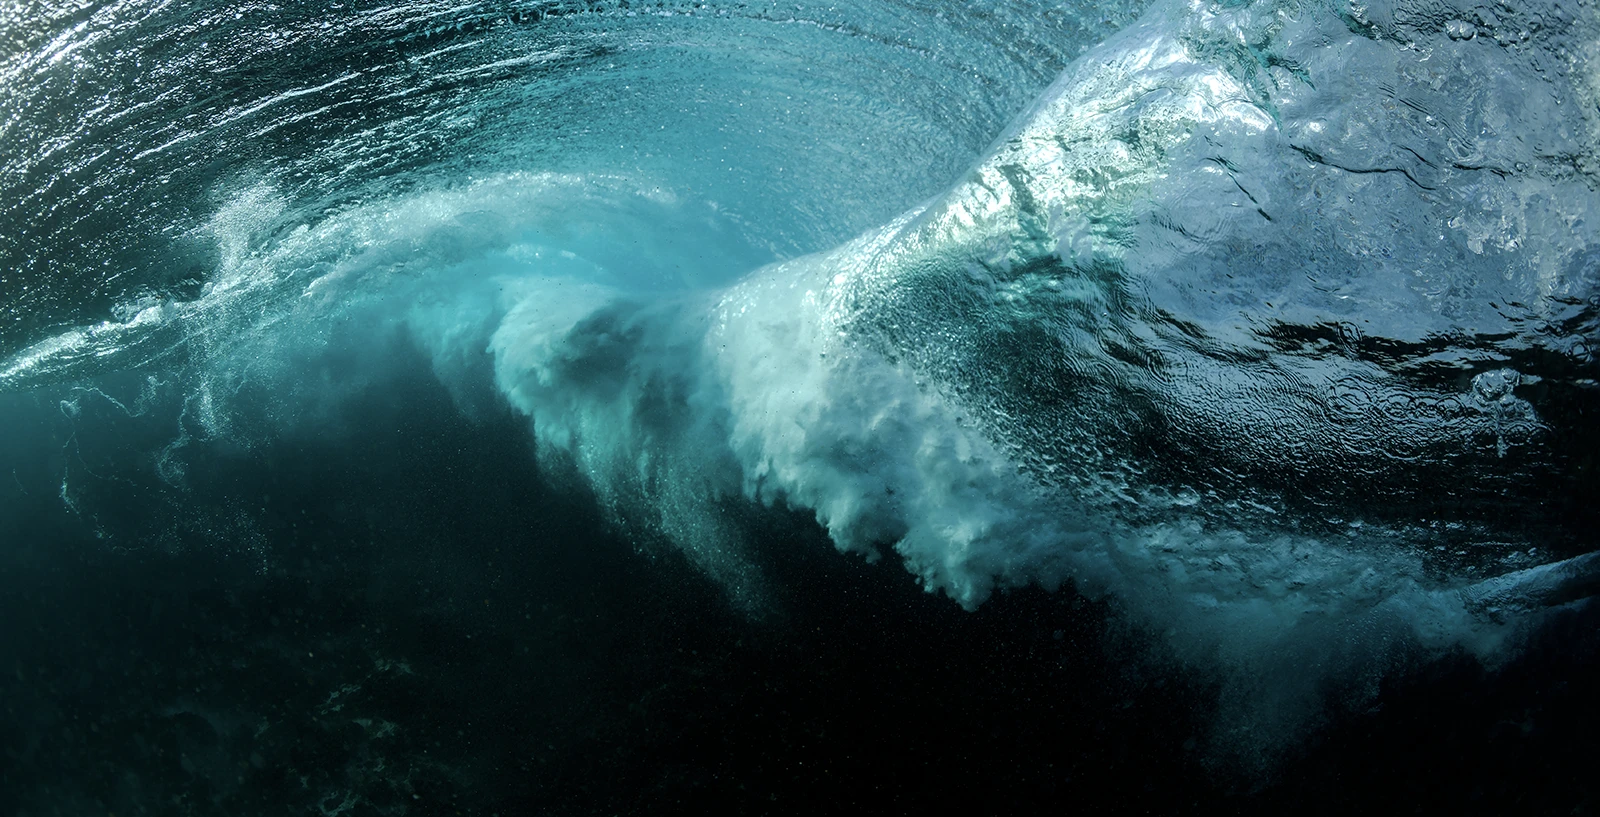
[{"x": 596, "y": 408}]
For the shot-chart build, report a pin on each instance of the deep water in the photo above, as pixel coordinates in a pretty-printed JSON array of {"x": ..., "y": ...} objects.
[
  {"x": 438, "y": 629},
  {"x": 620, "y": 408}
]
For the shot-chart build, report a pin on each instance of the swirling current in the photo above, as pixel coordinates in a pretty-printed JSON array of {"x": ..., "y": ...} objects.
[{"x": 756, "y": 407}]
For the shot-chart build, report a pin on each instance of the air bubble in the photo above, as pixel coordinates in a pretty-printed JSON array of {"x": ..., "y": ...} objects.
[{"x": 1495, "y": 386}]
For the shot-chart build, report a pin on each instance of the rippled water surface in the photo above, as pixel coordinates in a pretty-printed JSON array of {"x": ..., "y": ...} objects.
[{"x": 603, "y": 407}]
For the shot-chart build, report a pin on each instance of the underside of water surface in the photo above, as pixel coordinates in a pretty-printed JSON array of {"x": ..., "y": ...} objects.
[{"x": 616, "y": 407}]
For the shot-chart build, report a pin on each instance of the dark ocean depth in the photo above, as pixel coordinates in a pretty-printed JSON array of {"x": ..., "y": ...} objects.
[{"x": 407, "y": 619}]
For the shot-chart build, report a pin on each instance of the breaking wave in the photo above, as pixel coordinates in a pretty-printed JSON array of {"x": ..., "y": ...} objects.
[{"x": 1270, "y": 323}]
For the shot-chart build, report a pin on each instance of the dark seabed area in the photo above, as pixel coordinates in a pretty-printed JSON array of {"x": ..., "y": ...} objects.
[{"x": 441, "y": 631}]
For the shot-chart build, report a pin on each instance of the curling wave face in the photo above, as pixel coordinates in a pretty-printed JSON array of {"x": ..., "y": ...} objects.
[
  {"x": 1270, "y": 321},
  {"x": 1243, "y": 316}
]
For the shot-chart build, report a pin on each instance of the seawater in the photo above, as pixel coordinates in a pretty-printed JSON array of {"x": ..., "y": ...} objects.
[{"x": 604, "y": 407}]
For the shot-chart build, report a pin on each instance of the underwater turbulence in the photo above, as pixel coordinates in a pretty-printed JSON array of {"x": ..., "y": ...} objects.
[{"x": 619, "y": 407}]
